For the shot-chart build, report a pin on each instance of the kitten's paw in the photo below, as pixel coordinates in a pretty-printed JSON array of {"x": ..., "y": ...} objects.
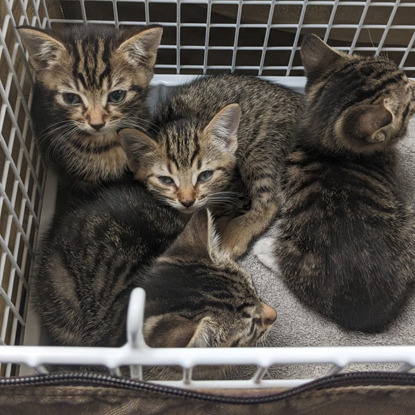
[
  {"x": 234, "y": 245},
  {"x": 264, "y": 251}
]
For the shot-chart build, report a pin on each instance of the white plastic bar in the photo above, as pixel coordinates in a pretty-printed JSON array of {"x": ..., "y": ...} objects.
[
  {"x": 334, "y": 369},
  {"x": 45, "y": 10},
  {"x": 4, "y": 95},
  {"x": 207, "y": 35},
  {"x": 242, "y": 25},
  {"x": 83, "y": 11},
  {"x": 331, "y": 20},
  {"x": 388, "y": 26},
  {"x": 12, "y": 72},
  {"x": 236, "y": 37},
  {"x": 136, "y": 372},
  {"x": 13, "y": 215},
  {"x": 297, "y": 36},
  {"x": 12, "y": 306},
  {"x": 16, "y": 322},
  {"x": 408, "y": 49},
  {"x": 259, "y": 374},
  {"x": 266, "y": 37},
  {"x": 187, "y": 376},
  {"x": 147, "y": 11},
  {"x": 359, "y": 27},
  {"x": 115, "y": 11},
  {"x": 135, "y": 318},
  {"x": 178, "y": 35}
]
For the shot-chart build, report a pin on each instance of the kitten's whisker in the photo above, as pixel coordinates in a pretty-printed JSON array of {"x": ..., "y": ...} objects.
[{"x": 143, "y": 127}]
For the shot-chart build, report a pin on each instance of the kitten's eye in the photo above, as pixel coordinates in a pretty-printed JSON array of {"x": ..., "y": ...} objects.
[
  {"x": 115, "y": 97},
  {"x": 204, "y": 176},
  {"x": 166, "y": 180},
  {"x": 71, "y": 99}
]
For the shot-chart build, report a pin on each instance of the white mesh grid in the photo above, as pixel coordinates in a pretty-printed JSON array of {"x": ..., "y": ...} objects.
[
  {"x": 259, "y": 37},
  {"x": 22, "y": 175}
]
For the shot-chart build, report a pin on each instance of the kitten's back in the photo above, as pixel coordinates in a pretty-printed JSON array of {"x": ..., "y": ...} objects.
[
  {"x": 93, "y": 256},
  {"x": 346, "y": 241}
]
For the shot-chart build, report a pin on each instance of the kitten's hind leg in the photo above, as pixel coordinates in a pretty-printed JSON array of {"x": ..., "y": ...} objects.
[{"x": 264, "y": 251}]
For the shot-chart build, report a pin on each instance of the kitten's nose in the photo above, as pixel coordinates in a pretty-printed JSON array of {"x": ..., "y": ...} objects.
[
  {"x": 97, "y": 126},
  {"x": 269, "y": 315},
  {"x": 187, "y": 203}
]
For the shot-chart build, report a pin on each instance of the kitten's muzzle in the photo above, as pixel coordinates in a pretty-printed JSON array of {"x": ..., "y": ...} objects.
[
  {"x": 187, "y": 203},
  {"x": 97, "y": 126}
]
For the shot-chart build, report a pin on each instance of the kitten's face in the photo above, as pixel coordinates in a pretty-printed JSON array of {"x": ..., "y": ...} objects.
[
  {"x": 370, "y": 99},
  {"x": 199, "y": 297},
  {"x": 95, "y": 78},
  {"x": 189, "y": 164}
]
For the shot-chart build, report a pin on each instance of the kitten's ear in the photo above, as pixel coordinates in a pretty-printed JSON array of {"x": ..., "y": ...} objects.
[
  {"x": 141, "y": 47},
  {"x": 224, "y": 126},
  {"x": 364, "y": 123},
  {"x": 136, "y": 144},
  {"x": 176, "y": 331},
  {"x": 198, "y": 239},
  {"x": 317, "y": 56},
  {"x": 204, "y": 335},
  {"x": 42, "y": 47}
]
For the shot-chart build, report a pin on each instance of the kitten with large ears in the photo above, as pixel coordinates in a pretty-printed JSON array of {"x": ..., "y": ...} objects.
[
  {"x": 120, "y": 238},
  {"x": 219, "y": 142},
  {"x": 346, "y": 235},
  {"x": 90, "y": 81}
]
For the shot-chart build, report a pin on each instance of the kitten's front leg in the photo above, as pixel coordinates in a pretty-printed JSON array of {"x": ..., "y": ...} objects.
[{"x": 243, "y": 229}]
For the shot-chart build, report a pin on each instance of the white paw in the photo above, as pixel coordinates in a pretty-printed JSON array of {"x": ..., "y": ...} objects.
[{"x": 264, "y": 251}]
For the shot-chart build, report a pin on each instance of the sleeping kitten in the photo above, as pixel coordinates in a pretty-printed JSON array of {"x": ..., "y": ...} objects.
[
  {"x": 98, "y": 251},
  {"x": 210, "y": 132},
  {"x": 346, "y": 235},
  {"x": 90, "y": 81}
]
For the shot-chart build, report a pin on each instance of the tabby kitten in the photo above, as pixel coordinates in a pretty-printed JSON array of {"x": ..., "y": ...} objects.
[
  {"x": 346, "y": 235},
  {"x": 90, "y": 81},
  {"x": 206, "y": 134},
  {"x": 99, "y": 250}
]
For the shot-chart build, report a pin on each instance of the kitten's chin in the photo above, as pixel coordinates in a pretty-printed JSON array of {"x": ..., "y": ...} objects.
[
  {"x": 102, "y": 132},
  {"x": 189, "y": 210}
]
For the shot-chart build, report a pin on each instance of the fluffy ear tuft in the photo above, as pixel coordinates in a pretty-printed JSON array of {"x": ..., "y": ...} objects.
[
  {"x": 176, "y": 331},
  {"x": 198, "y": 239},
  {"x": 224, "y": 127},
  {"x": 363, "y": 125},
  {"x": 136, "y": 143},
  {"x": 43, "y": 48},
  {"x": 317, "y": 56},
  {"x": 141, "y": 47},
  {"x": 205, "y": 334}
]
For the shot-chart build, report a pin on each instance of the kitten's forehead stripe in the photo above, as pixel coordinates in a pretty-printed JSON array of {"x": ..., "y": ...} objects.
[{"x": 91, "y": 65}]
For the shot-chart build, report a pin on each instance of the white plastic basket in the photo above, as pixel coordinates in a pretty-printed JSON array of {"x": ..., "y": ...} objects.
[{"x": 251, "y": 36}]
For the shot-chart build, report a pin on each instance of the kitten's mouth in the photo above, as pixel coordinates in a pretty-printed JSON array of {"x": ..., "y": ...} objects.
[
  {"x": 188, "y": 210},
  {"x": 102, "y": 131}
]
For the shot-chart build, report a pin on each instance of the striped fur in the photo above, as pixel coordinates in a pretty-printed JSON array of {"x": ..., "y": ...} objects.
[
  {"x": 102, "y": 248},
  {"x": 81, "y": 74},
  {"x": 236, "y": 128},
  {"x": 346, "y": 245}
]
